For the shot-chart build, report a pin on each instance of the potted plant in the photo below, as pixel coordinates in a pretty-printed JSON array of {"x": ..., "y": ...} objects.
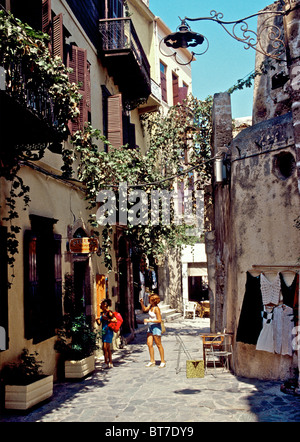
[
  {"x": 77, "y": 342},
  {"x": 25, "y": 384}
]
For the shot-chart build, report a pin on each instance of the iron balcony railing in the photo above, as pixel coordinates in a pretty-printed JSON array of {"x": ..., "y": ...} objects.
[
  {"x": 119, "y": 35},
  {"x": 18, "y": 83}
]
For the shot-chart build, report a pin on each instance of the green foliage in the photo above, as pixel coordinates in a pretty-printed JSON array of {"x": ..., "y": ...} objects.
[
  {"x": 159, "y": 168},
  {"x": 24, "y": 372},
  {"x": 76, "y": 339}
]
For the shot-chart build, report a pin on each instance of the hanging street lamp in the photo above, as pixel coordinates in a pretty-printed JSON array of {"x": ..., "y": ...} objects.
[{"x": 186, "y": 38}]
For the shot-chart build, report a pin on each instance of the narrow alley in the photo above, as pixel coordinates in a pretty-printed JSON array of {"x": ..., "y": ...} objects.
[{"x": 130, "y": 392}]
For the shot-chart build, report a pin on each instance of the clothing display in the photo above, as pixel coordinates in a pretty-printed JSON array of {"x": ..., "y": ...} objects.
[
  {"x": 265, "y": 340},
  {"x": 268, "y": 316},
  {"x": 288, "y": 292},
  {"x": 283, "y": 324},
  {"x": 270, "y": 291},
  {"x": 250, "y": 323}
]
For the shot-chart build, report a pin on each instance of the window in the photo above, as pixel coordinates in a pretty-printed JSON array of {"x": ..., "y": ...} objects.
[
  {"x": 284, "y": 165},
  {"x": 163, "y": 81},
  {"x": 37, "y": 15},
  {"x": 117, "y": 127},
  {"x": 182, "y": 93},
  {"x": 42, "y": 279},
  {"x": 115, "y": 8}
]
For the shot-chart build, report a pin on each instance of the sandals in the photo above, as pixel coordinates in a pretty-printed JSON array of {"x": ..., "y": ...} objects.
[{"x": 150, "y": 364}]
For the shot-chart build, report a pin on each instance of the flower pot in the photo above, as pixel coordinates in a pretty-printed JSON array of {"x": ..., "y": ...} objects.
[
  {"x": 79, "y": 369},
  {"x": 22, "y": 397}
]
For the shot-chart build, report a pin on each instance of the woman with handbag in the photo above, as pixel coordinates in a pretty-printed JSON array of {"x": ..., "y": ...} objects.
[
  {"x": 154, "y": 329},
  {"x": 106, "y": 317}
]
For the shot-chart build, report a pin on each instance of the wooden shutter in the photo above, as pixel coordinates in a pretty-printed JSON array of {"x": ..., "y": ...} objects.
[
  {"x": 175, "y": 89},
  {"x": 57, "y": 36},
  {"x": 182, "y": 93},
  {"x": 114, "y": 123},
  {"x": 77, "y": 61},
  {"x": 163, "y": 83},
  {"x": 46, "y": 15},
  {"x": 88, "y": 90},
  {"x": 46, "y": 20}
]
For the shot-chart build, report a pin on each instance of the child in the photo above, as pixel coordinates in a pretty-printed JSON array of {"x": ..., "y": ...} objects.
[
  {"x": 154, "y": 329},
  {"x": 105, "y": 318}
]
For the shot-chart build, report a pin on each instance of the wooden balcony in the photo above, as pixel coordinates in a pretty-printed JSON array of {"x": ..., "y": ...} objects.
[
  {"x": 27, "y": 111},
  {"x": 125, "y": 59}
]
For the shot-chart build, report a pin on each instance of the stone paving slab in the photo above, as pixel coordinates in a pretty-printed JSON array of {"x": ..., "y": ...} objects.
[{"x": 130, "y": 392}]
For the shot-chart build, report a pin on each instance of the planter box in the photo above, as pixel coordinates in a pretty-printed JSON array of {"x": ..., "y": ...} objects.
[
  {"x": 22, "y": 397},
  {"x": 79, "y": 369}
]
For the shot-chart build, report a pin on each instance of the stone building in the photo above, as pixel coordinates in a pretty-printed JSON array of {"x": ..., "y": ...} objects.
[{"x": 256, "y": 205}]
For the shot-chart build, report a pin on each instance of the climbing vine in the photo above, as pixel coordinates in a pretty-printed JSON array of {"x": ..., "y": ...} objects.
[{"x": 159, "y": 168}]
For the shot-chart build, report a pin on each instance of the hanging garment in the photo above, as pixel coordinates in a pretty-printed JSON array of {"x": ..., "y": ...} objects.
[
  {"x": 288, "y": 292},
  {"x": 265, "y": 340},
  {"x": 283, "y": 324},
  {"x": 270, "y": 290},
  {"x": 250, "y": 322},
  {"x": 296, "y": 304}
]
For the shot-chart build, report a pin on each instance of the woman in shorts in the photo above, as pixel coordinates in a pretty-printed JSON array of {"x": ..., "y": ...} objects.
[{"x": 154, "y": 329}]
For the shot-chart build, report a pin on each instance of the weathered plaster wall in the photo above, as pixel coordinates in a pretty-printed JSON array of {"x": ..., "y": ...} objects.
[
  {"x": 253, "y": 224},
  {"x": 255, "y": 210},
  {"x": 264, "y": 206}
]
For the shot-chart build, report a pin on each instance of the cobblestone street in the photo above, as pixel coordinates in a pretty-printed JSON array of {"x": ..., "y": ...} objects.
[{"x": 130, "y": 392}]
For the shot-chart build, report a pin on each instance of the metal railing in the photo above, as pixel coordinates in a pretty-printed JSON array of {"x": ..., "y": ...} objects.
[
  {"x": 118, "y": 34},
  {"x": 29, "y": 93}
]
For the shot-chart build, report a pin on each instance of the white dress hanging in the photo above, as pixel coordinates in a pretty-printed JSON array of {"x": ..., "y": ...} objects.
[
  {"x": 265, "y": 340},
  {"x": 283, "y": 324}
]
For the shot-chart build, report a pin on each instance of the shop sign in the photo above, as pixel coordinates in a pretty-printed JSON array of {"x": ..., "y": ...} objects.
[{"x": 84, "y": 245}]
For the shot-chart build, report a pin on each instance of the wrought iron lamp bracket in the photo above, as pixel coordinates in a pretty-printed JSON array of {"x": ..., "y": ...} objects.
[{"x": 251, "y": 39}]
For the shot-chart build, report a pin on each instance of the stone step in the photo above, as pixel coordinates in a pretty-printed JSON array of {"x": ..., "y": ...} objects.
[
  {"x": 172, "y": 317},
  {"x": 168, "y": 314}
]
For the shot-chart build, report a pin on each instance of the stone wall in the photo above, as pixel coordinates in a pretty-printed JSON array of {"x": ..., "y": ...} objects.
[
  {"x": 253, "y": 225},
  {"x": 255, "y": 207}
]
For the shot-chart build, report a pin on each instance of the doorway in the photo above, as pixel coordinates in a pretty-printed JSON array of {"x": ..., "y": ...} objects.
[{"x": 82, "y": 293}]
